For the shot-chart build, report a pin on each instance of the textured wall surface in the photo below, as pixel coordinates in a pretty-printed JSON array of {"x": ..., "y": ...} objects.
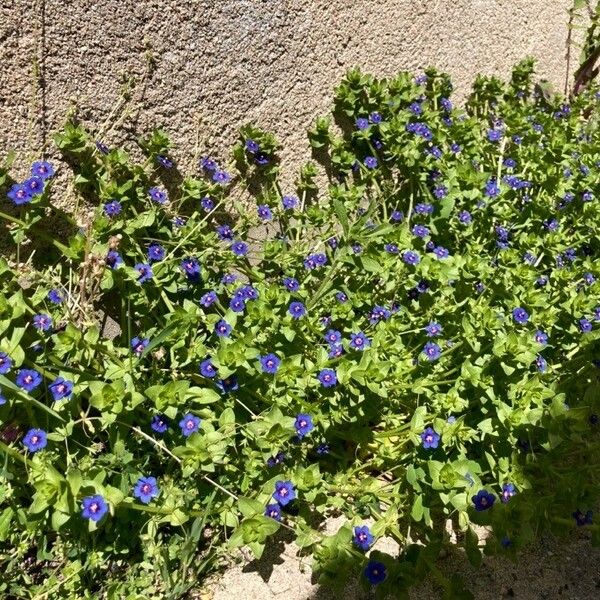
[{"x": 221, "y": 63}]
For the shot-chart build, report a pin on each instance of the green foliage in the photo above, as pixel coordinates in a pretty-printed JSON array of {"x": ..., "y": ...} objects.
[{"x": 508, "y": 409}]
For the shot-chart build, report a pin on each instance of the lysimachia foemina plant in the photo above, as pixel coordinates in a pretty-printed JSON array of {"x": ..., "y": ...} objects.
[{"x": 413, "y": 343}]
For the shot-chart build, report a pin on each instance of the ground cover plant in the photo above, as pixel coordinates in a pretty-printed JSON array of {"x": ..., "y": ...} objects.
[{"x": 412, "y": 342}]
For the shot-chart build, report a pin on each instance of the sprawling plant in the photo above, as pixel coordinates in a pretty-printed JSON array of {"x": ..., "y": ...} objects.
[{"x": 415, "y": 344}]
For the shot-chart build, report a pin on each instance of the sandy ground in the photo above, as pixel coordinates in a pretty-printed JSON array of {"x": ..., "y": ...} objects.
[{"x": 552, "y": 569}]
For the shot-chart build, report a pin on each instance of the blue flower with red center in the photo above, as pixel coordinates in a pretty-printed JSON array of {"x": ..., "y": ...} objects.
[
  {"x": 146, "y": 488},
  {"x": 223, "y": 328},
  {"x": 327, "y": 377},
  {"x": 28, "y": 379},
  {"x": 19, "y": 194},
  {"x": 34, "y": 185},
  {"x": 270, "y": 363},
  {"x": 159, "y": 423},
  {"x": 432, "y": 351},
  {"x": 520, "y": 315},
  {"x": 430, "y": 438},
  {"x": 239, "y": 248},
  {"x": 508, "y": 491},
  {"x": 189, "y": 424},
  {"x": 42, "y": 169},
  {"x": 94, "y": 507},
  {"x": 303, "y": 424},
  {"x": 483, "y": 500},
  {"x": 273, "y": 511},
  {"x": 145, "y": 272},
  {"x": 42, "y": 322},
  {"x": 6, "y": 363},
  {"x": 155, "y": 252},
  {"x": 264, "y": 212},
  {"x": 433, "y": 329},
  {"x": 208, "y": 299},
  {"x": 411, "y": 258},
  {"x": 112, "y": 208},
  {"x": 363, "y": 538},
  {"x": 229, "y": 384},
  {"x": 284, "y": 492},
  {"x": 375, "y": 572},
  {"x": 289, "y": 202},
  {"x": 297, "y": 310},
  {"x": 60, "y": 388},
  {"x": 207, "y": 369},
  {"x": 35, "y": 439},
  {"x": 359, "y": 341},
  {"x": 583, "y": 518},
  {"x": 157, "y": 195},
  {"x": 333, "y": 336}
]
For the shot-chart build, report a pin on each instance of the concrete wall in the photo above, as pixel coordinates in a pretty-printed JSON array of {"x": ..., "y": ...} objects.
[{"x": 225, "y": 62}]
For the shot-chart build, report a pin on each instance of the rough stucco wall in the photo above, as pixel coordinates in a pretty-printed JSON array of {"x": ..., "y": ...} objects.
[{"x": 231, "y": 61}]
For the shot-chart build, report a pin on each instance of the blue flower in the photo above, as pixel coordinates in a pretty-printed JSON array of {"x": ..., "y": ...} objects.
[
  {"x": 264, "y": 212},
  {"x": 375, "y": 118},
  {"x": 270, "y": 363},
  {"x": 145, "y": 489},
  {"x": 191, "y": 267},
  {"x": 224, "y": 233},
  {"x": 248, "y": 292},
  {"x": 483, "y": 500},
  {"x": 112, "y": 208},
  {"x": 207, "y": 203},
  {"x": 42, "y": 322},
  {"x": 208, "y": 299},
  {"x": 273, "y": 511},
  {"x": 335, "y": 350},
  {"x": 138, "y": 345},
  {"x": 433, "y": 329},
  {"x": 28, "y": 379},
  {"x": 239, "y": 248},
  {"x": 113, "y": 259},
  {"x": 322, "y": 449},
  {"x": 155, "y": 252},
  {"x": 2, "y": 400},
  {"x": 341, "y": 297},
  {"x": 359, "y": 341},
  {"x": 583, "y": 518},
  {"x": 145, "y": 272},
  {"x": 297, "y": 310},
  {"x": 54, "y": 297},
  {"x": 327, "y": 377},
  {"x": 164, "y": 161},
  {"x": 415, "y": 108},
  {"x": 356, "y": 248},
  {"x": 42, "y": 169},
  {"x": 303, "y": 424},
  {"x": 520, "y": 315},
  {"x": 237, "y": 303},
  {"x": 291, "y": 284},
  {"x": 391, "y": 248},
  {"x": 229, "y": 384},
  {"x": 221, "y": 177},
  {"x": 19, "y": 194},
  {"x": 363, "y": 538},
  {"x": 375, "y": 572},
  {"x": 61, "y": 388},
  {"x": 278, "y": 459},
  {"x": 446, "y": 104},
  {"x": 508, "y": 491},
  {"x": 494, "y": 135},
  {"x": 432, "y": 351},
  {"x": 333, "y": 336},
  {"x": 440, "y": 191},
  {"x": 284, "y": 492},
  {"x": 159, "y": 423},
  {"x": 589, "y": 278},
  {"x": 540, "y": 337},
  {"x": 207, "y": 369},
  {"x": 379, "y": 313},
  {"x": 441, "y": 252},
  {"x": 491, "y": 188},
  {"x": 34, "y": 185},
  {"x": 6, "y": 363},
  {"x": 289, "y": 202},
  {"x": 35, "y": 439},
  {"x": 411, "y": 258},
  {"x": 94, "y": 507},
  {"x": 430, "y": 438},
  {"x": 420, "y": 231},
  {"x": 251, "y": 146},
  {"x": 397, "y": 216},
  {"x": 208, "y": 164},
  {"x": 223, "y": 328},
  {"x": 455, "y": 148},
  {"x": 585, "y": 325},
  {"x": 189, "y": 424},
  {"x": 362, "y": 123},
  {"x": 157, "y": 195},
  {"x": 370, "y": 162},
  {"x": 423, "y": 208},
  {"x": 103, "y": 148}
]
